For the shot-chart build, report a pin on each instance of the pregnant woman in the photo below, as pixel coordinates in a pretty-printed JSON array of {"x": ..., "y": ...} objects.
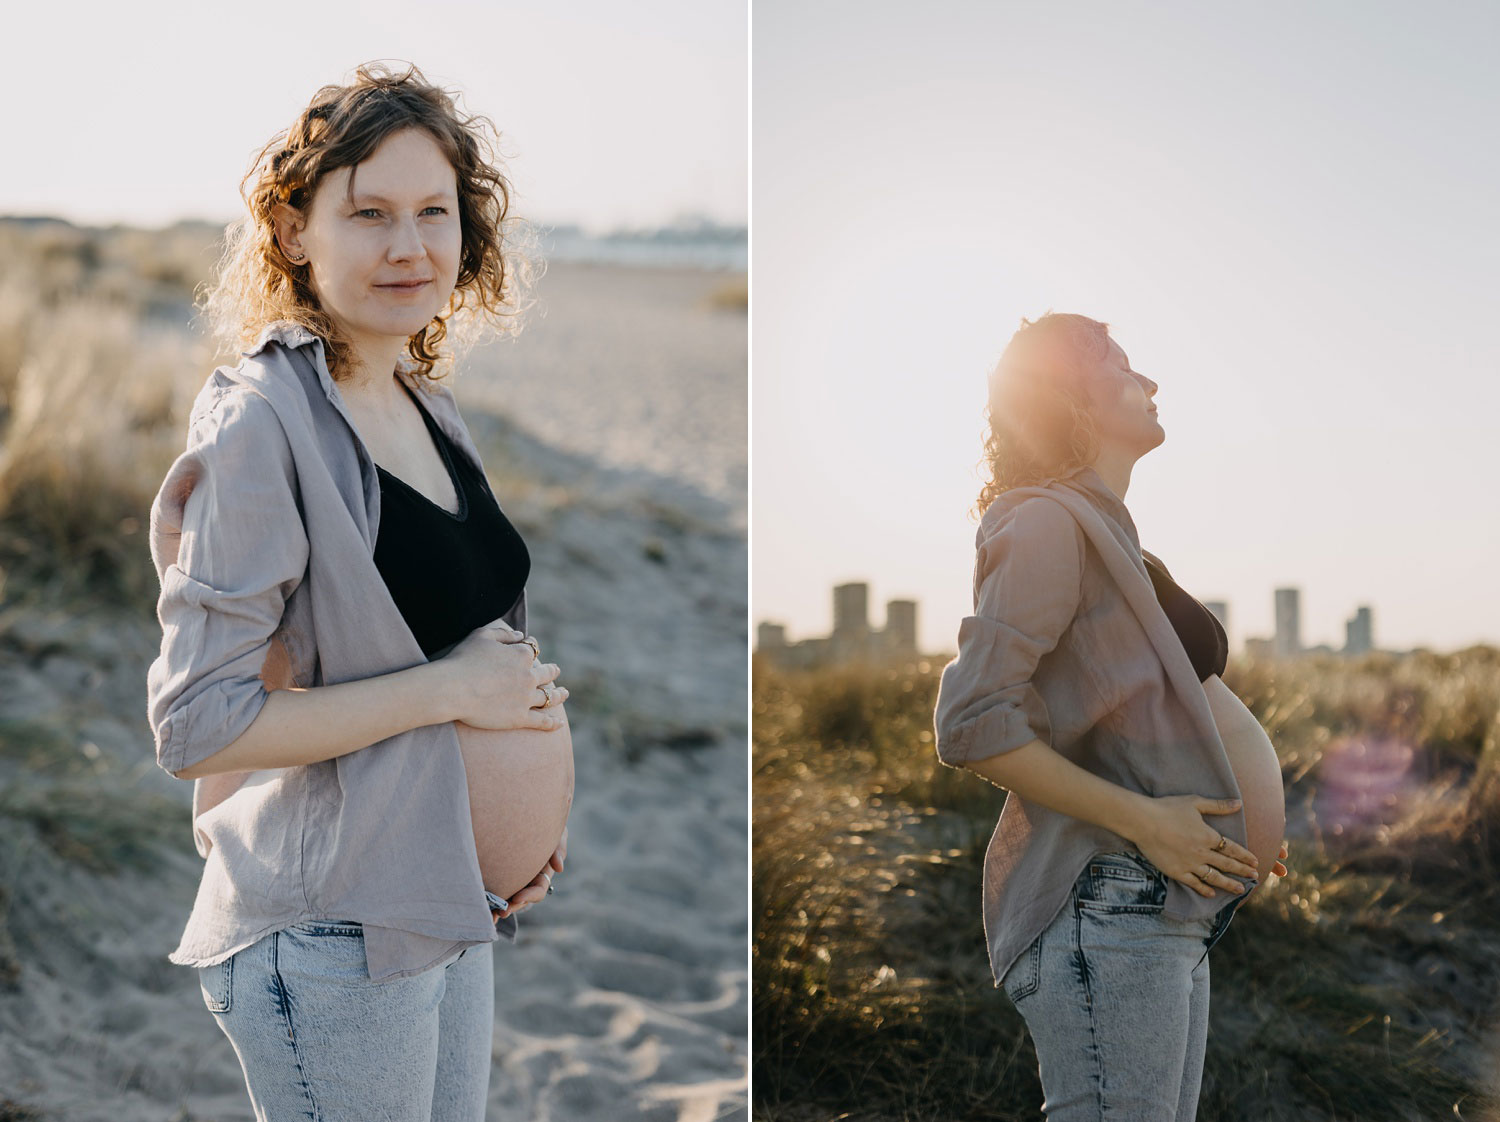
[
  {"x": 382, "y": 765},
  {"x": 1145, "y": 801}
]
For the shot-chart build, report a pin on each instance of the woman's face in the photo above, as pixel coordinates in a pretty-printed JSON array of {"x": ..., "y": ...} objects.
[
  {"x": 1123, "y": 410},
  {"x": 383, "y": 239}
]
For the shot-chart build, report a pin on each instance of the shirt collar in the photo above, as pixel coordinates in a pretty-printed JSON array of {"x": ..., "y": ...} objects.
[
  {"x": 292, "y": 334},
  {"x": 282, "y": 331},
  {"x": 1091, "y": 485}
]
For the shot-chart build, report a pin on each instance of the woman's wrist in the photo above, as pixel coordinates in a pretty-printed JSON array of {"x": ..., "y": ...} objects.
[
  {"x": 1128, "y": 814},
  {"x": 434, "y": 693}
]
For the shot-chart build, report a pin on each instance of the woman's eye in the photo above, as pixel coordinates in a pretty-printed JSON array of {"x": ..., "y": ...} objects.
[
  {"x": 436, "y": 210},
  {"x": 367, "y": 213}
]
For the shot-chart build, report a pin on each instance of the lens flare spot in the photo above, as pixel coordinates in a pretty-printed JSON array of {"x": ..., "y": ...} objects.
[{"x": 1363, "y": 780}]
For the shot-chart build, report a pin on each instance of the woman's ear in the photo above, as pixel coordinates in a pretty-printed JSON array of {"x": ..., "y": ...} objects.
[{"x": 289, "y": 221}]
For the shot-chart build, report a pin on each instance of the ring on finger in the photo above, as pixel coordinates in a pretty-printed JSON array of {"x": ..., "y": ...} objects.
[
  {"x": 546, "y": 697},
  {"x": 536, "y": 650},
  {"x": 1220, "y": 847}
]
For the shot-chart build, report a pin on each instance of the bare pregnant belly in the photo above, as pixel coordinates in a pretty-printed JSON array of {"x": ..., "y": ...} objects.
[
  {"x": 1256, "y": 769},
  {"x": 520, "y": 791}
]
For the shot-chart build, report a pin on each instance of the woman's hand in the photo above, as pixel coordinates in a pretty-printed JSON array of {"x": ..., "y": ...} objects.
[
  {"x": 496, "y": 681},
  {"x": 542, "y": 884},
  {"x": 1174, "y": 837}
]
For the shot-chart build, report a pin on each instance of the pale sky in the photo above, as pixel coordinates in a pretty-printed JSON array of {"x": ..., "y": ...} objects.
[
  {"x": 612, "y": 114},
  {"x": 1285, "y": 211}
]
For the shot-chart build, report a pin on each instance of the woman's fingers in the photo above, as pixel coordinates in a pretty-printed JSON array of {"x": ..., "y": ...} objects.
[
  {"x": 1231, "y": 855},
  {"x": 547, "y": 695},
  {"x": 1226, "y": 860},
  {"x": 1204, "y": 805},
  {"x": 1207, "y": 807},
  {"x": 543, "y": 720},
  {"x": 545, "y": 672},
  {"x": 1195, "y": 882},
  {"x": 531, "y": 894}
]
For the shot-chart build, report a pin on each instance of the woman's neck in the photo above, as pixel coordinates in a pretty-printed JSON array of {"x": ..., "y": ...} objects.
[
  {"x": 1114, "y": 468},
  {"x": 369, "y": 368}
]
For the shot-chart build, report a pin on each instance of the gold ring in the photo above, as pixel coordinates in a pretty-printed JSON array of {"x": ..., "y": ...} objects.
[
  {"x": 536, "y": 650},
  {"x": 1220, "y": 847}
]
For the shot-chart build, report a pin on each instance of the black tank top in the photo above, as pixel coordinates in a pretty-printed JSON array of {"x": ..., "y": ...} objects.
[
  {"x": 448, "y": 573},
  {"x": 1199, "y": 629}
]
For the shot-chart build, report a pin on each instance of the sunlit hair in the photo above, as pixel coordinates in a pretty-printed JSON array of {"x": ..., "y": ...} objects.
[
  {"x": 256, "y": 284},
  {"x": 1040, "y": 420}
]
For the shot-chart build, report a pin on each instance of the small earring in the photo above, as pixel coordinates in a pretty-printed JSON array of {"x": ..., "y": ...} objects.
[{"x": 296, "y": 259}]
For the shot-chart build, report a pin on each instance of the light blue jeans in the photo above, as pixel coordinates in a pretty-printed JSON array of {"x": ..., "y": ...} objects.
[
  {"x": 318, "y": 1040},
  {"x": 1115, "y": 995}
]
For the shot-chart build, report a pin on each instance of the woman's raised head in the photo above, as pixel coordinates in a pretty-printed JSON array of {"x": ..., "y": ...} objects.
[
  {"x": 379, "y": 183},
  {"x": 1062, "y": 391}
]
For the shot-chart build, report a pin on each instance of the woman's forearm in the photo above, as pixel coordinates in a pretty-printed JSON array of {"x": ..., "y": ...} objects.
[
  {"x": 1039, "y": 775},
  {"x": 304, "y": 726}
]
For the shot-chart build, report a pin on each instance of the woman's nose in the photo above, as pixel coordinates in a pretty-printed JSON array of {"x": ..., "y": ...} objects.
[
  {"x": 406, "y": 241},
  {"x": 1150, "y": 386}
]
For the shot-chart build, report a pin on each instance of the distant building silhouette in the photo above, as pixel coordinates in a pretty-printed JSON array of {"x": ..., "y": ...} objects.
[
  {"x": 770, "y": 637},
  {"x": 1359, "y": 632},
  {"x": 1260, "y": 648},
  {"x": 852, "y": 640},
  {"x": 851, "y": 621},
  {"x": 1288, "y": 641},
  {"x": 901, "y": 627}
]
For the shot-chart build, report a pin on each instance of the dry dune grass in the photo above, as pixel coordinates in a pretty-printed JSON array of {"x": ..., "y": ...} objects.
[
  {"x": 95, "y": 418},
  {"x": 1359, "y": 987},
  {"x": 96, "y": 374}
]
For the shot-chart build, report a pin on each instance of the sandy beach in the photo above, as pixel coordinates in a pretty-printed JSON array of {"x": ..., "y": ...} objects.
[{"x": 613, "y": 429}]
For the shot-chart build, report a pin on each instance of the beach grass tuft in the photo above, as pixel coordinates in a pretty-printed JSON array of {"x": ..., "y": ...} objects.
[{"x": 96, "y": 373}]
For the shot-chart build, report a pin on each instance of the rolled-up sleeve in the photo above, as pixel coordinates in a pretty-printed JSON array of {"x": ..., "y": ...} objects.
[
  {"x": 229, "y": 545},
  {"x": 1028, "y": 578}
]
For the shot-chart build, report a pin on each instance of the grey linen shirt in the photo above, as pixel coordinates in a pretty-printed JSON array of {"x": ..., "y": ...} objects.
[
  {"x": 263, "y": 535},
  {"x": 1069, "y": 645}
]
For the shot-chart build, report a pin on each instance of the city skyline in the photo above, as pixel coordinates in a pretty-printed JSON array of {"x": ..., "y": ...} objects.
[{"x": 852, "y": 637}]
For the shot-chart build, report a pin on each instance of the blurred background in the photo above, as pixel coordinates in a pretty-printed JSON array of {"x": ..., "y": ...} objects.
[
  {"x": 614, "y": 431},
  {"x": 1284, "y": 213}
]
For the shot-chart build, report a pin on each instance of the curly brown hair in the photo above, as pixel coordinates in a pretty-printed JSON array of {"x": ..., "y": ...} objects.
[
  {"x": 1039, "y": 420},
  {"x": 256, "y": 284}
]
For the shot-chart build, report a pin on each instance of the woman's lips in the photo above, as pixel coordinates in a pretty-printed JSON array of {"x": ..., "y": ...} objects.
[{"x": 404, "y": 286}]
